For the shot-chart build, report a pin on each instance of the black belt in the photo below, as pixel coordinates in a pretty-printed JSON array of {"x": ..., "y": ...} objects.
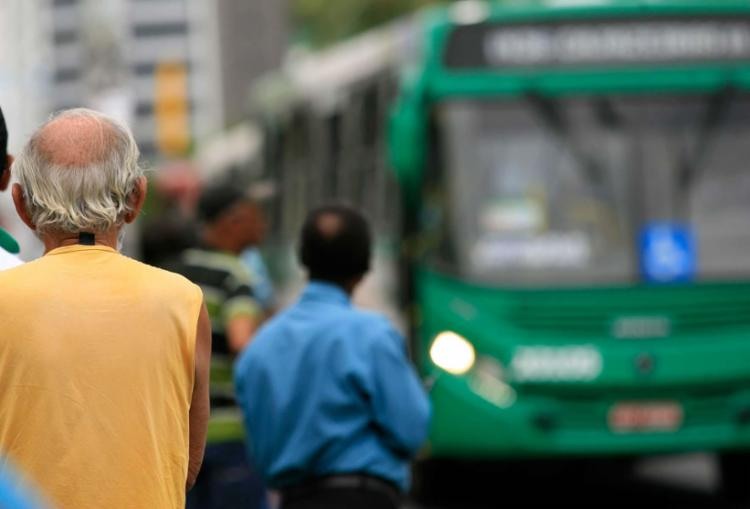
[{"x": 343, "y": 482}]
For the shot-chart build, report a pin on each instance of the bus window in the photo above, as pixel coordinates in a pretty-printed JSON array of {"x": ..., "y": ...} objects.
[
  {"x": 558, "y": 193},
  {"x": 522, "y": 208}
]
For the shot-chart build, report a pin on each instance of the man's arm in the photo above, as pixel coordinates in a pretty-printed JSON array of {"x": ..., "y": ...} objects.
[
  {"x": 200, "y": 406},
  {"x": 400, "y": 404},
  {"x": 240, "y": 329},
  {"x": 241, "y": 312}
]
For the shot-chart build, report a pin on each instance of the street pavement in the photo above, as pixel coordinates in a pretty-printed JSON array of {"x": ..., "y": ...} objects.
[{"x": 684, "y": 482}]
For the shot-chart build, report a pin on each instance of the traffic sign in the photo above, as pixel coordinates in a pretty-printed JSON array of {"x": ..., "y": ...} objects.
[{"x": 668, "y": 253}]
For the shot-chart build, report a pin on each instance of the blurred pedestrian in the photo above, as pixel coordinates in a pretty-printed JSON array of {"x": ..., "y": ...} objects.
[
  {"x": 104, "y": 361},
  {"x": 231, "y": 223},
  {"x": 333, "y": 409},
  {"x": 165, "y": 237},
  {"x": 8, "y": 245},
  {"x": 170, "y": 227},
  {"x": 263, "y": 287},
  {"x": 252, "y": 257}
]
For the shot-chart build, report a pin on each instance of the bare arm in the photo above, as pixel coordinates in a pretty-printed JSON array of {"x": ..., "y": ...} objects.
[
  {"x": 240, "y": 330},
  {"x": 200, "y": 404}
]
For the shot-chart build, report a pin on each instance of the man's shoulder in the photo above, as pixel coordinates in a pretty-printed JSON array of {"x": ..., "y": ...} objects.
[
  {"x": 22, "y": 278},
  {"x": 274, "y": 326},
  {"x": 363, "y": 322},
  {"x": 161, "y": 278},
  {"x": 372, "y": 320},
  {"x": 375, "y": 332},
  {"x": 19, "y": 270},
  {"x": 368, "y": 327},
  {"x": 334, "y": 316}
]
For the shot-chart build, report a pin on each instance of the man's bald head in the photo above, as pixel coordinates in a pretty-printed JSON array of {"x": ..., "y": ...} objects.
[
  {"x": 77, "y": 173},
  {"x": 335, "y": 244},
  {"x": 73, "y": 141}
]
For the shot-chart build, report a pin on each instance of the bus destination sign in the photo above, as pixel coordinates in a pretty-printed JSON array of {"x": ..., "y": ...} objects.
[{"x": 598, "y": 43}]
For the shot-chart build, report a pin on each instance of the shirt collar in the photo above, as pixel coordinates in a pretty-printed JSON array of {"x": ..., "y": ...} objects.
[
  {"x": 320, "y": 291},
  {"x": 73, "y": 248}
]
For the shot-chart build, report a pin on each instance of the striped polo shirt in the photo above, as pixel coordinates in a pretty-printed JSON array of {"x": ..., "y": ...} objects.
[{"x": 227, "y": 289}]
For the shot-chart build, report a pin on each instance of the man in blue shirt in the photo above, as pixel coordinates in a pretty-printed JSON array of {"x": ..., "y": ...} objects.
[{"x": 333, "y": 409}]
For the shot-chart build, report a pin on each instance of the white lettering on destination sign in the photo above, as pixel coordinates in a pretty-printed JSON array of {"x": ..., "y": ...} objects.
[
  {"x": 613, "y": 43},
  {"x": 552, "y": 250}
]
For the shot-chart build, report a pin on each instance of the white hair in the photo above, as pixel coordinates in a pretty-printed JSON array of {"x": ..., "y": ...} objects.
[{"x": 88, "y": 191}]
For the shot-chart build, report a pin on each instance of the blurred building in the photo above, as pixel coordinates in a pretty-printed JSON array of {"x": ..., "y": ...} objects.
[
  {"x": 177, "y": 70},
  {"x": 25, "y": 56},
  {"x": 253, "y": 39},
  {"x": 25, "y": 89}
]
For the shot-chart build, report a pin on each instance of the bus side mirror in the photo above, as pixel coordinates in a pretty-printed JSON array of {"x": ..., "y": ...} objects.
[{"x": 407, "y": 138}]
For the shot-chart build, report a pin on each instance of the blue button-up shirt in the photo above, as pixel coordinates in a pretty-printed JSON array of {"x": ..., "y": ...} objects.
[{"x": 328, "y": 389}]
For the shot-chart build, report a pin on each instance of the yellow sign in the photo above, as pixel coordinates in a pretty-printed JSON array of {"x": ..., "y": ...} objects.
[{"x": 171, "y": 109}]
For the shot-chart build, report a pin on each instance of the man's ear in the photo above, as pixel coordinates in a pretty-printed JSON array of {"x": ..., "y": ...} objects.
[
  {"x": 137, "y": 198},
  {"x": 20, "y": 202},
  {"x": 5, "y": 178}
]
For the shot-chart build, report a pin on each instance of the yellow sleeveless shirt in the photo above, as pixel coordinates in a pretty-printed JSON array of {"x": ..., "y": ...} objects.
[{"x": 96, "y": 377}]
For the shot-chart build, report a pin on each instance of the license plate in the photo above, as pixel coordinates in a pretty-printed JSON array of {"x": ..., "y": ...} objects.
[{"x": 633, "y": 417}]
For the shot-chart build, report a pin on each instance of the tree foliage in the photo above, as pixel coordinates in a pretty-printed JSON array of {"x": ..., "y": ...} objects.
[{"x": 321, "y": 22}]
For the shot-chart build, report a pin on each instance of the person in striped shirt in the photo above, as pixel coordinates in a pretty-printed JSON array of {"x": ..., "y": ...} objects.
[{"x": 230, "y": 223}]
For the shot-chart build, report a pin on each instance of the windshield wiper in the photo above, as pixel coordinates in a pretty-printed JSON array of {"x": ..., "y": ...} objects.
[
  {"x": 690, "y": 166},
  {"x": 549, "y": 112},
  {"x": 607, "y": 115}
]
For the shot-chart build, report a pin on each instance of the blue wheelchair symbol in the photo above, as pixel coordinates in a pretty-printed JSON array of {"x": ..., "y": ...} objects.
[{"x": 667, "y": 253}]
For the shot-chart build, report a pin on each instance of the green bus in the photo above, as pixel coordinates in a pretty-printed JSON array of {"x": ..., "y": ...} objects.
[{"x": 576, "y": 182}]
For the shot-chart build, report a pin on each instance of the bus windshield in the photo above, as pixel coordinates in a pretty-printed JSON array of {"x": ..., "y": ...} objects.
[{"x": 539, "y": 191}]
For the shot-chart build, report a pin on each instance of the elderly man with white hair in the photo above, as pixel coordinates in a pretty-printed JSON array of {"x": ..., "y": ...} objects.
[{"x": 103, "y": 360}]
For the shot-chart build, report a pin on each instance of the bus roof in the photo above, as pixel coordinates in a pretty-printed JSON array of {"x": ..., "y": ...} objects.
[
  {"x": 725, "y": 61},
  {"x": 320, "y": 79},
  {"x": 573, "y": 7},
  {"x": 471, "y": 11}
]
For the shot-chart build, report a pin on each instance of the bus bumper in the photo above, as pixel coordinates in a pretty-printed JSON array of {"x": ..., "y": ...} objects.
[{"x": 475, "y": 420}]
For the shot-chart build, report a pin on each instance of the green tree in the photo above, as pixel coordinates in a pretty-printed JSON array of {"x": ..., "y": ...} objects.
[{"x": 321, "y": 22}]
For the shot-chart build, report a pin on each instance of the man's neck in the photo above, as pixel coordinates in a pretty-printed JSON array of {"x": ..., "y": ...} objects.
[
  {"x": 347, "y": 287},
  {"x": 216, "y": 242},
  {"x": 56, "y": 240}
]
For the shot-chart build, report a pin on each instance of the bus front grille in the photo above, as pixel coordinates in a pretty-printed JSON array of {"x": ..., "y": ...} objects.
[{"x": 652, "y": 319}]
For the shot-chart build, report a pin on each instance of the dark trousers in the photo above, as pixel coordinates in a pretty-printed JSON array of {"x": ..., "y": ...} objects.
[
  {"x": 341, "y": 498},
  {"x": 227, "y": 481}
]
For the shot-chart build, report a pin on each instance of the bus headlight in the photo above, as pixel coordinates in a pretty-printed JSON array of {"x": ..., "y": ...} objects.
[
  {"x": 453, "y": 353},
  {"x": 489, "y": 381}
]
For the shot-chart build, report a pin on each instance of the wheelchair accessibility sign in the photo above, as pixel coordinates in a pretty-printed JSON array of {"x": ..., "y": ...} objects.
[{"x": 668, "y": 253}]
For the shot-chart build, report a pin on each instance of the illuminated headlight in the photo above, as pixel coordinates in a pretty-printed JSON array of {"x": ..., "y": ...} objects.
[{"x": 452, "y": 353}]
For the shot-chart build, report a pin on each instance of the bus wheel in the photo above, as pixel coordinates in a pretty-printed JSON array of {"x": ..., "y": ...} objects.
[{"x": 735, "y": 476}]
